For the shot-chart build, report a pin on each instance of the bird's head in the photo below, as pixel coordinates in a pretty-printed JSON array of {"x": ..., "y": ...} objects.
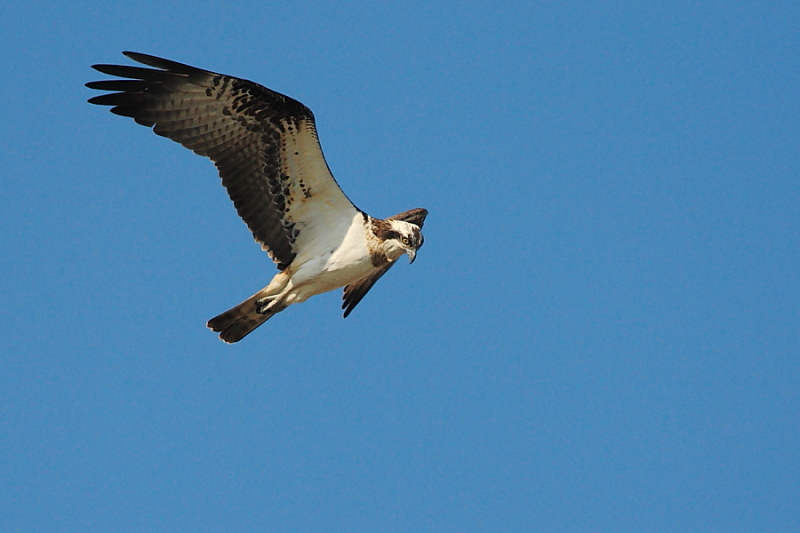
[{"x": 402, "y": 238}]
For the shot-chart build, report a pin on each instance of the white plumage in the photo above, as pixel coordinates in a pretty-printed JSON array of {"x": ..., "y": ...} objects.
[{"x": 266, "y": 149}]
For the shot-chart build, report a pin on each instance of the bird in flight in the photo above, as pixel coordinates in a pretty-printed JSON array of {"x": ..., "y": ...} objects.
[{"x": 265, "y": 147}]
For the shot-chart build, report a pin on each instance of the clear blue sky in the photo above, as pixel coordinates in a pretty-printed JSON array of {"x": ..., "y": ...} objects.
[{"x": 602, "y": 332}]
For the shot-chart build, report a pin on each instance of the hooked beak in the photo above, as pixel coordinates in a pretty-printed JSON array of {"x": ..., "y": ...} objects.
[{"x": 412, "y": 254}]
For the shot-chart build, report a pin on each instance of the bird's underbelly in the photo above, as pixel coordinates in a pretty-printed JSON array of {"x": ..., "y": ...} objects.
[{"x": 329, "y": 272}]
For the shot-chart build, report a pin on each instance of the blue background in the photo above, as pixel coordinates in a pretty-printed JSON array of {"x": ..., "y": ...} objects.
[{"x": 600, "y": 334}]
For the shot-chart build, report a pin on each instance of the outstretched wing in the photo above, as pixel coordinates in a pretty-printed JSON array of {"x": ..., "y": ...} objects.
[
  {"x": 355, "y": 292},
  {"x": 412, "y": 216},
  {"x": 263, "y": 143}
]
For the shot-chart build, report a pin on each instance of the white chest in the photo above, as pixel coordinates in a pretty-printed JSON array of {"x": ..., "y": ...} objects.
[{"x": 336, "y": 262}]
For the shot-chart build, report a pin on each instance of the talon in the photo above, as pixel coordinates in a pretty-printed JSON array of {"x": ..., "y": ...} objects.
[{"x": 262, "y": 305}]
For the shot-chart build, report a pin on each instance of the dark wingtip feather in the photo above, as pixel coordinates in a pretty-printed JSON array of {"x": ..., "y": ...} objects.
[
  {"x": 349, "y": 306},
  {"x": 138, "y": 73},
  {"x": 103, "y": 99},
  {"x": 119, "y": 85},
  {"x": 102, "y": 67},
  {"x": 161, "y": 63},
  {"x": 414, "y": 216}
]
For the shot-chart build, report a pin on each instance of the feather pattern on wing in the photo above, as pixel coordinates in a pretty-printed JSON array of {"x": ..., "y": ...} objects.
[{"x": 263, "y": 143}]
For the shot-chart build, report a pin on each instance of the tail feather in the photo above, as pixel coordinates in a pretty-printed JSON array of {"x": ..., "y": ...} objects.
[{"x": 236, "y": 323}]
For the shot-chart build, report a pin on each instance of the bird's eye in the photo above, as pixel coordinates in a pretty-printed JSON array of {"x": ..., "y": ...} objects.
[{"x": 404, "y": 240}]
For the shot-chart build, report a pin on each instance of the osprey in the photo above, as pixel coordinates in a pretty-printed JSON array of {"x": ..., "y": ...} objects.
[{"x": 266, "y": 149}]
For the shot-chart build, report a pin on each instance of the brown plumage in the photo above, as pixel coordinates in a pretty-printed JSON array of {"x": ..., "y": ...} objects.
[{"x": 266, "y": 149}]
